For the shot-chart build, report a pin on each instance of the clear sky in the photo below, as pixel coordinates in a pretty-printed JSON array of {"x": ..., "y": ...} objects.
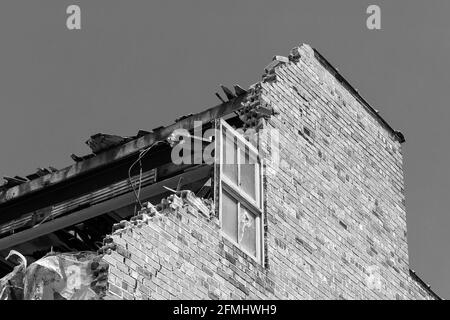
[{"x": 141, "y": 64}]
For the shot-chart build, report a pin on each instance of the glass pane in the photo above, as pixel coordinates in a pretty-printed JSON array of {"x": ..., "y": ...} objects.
[
  {"x": 248, "y": 173},
  {"x": 230, "y": 156},
  {"x": 247, "y": 231},
  {"x": 229, "y": 215}
]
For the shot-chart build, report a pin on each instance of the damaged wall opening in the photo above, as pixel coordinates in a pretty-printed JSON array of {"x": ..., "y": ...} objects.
[{"x": 82, "y": 223}]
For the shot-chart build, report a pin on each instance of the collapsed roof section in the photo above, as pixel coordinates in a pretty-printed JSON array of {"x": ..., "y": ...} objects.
[
  {"x": 107, "y": 148},
  {"x": 73, "y": 208}
]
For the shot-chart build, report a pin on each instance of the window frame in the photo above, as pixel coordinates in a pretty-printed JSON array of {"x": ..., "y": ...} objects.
[{"x": 236, "y": 191}]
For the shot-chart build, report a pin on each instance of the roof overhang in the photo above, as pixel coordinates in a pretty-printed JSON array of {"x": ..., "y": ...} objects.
[{"x": 114, "y": 155}]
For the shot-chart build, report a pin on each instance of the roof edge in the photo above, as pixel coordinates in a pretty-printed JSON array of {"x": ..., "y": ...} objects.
[
  {"x": 326, "y": 64},
  {"x": 426, "y": 286},
  {"x": 118, "y": 153}
]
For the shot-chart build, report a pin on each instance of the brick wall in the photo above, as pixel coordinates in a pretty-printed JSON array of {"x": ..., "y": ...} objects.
[
  {"x": 336, "y": 207},
  {"x": 179, "y": 253},
  {"x": 335, "y": 211}
]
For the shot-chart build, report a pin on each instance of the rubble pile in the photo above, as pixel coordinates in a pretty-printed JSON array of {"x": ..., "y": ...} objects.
[{"x": 56, "y": 276}]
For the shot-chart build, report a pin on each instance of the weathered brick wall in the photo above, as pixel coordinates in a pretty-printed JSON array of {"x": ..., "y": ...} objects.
[
  {"x": 180, "y": 253},
  {"x": 336, "y": 207},
  {"x": 335, "y": 211}
]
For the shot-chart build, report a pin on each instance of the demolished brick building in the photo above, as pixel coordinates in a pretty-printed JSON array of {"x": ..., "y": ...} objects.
[{"x": 325, "y": 220}]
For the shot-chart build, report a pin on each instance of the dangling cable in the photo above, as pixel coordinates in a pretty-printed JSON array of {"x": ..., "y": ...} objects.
[{"x": 141, "y": 155}]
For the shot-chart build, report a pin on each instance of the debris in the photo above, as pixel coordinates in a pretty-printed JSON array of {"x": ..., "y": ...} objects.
[
  {"x": 270, "y": 68},
  {"x": 183, "y": 117},
  {"x": 23, "y": 261},
  {"x": 79, "y": 159},
  {"x": 11, "y": 285},
  {"x": 295, "y": 55},
  {"x": 228, "y": 92},
  {"x": 158, "y": 128},
  {"x": 76, "y": 158},
  {"x": 42, "y": 171},
  {"x": 280, "y": 59},
  {"x": 16, "y": 179},
  {"x": 100, "y": 142},
  {"x": 170, "y": 189},
  {"x": 142, "y": 133},
  {"x": 57, "y": 276},
  {"x": 220, "y": 98},
  {"x": 195, "y": 202},
  {"x": 65, "y": 276},
  {"x": 179, "y": 184},
  {"x": 206, "y": 191},
  {"x": 238, "y": 90}
]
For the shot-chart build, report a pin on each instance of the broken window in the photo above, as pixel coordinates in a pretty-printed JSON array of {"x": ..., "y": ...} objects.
[{"x": 240, "y": 191}]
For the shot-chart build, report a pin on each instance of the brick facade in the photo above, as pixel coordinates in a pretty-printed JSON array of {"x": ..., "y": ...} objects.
[{"x": 334, "y": 211}]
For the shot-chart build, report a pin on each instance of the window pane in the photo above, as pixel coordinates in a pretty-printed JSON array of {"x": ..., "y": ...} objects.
[
  {"x": 248, "y": 173},
  {"x": 230, "y": 156},
  {"x": 229, "y": 216},
  {"x": 247, "y": 231}
]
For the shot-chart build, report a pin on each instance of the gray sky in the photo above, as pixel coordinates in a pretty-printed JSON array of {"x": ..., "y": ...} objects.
[{"x": 140, "y": 64}]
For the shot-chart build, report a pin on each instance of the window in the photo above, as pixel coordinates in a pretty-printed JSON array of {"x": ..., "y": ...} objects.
[{"x": 240, "y": 191}]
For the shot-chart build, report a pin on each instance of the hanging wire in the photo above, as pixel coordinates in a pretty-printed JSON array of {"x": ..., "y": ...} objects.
[
  {"x": 50, "y": 216},
  {"x": 141, "y": 155},
  {"x": 136, "y": 193}
]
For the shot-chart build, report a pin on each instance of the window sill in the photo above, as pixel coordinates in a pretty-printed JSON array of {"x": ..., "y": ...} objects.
[{"x": 247, "y": 255}]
